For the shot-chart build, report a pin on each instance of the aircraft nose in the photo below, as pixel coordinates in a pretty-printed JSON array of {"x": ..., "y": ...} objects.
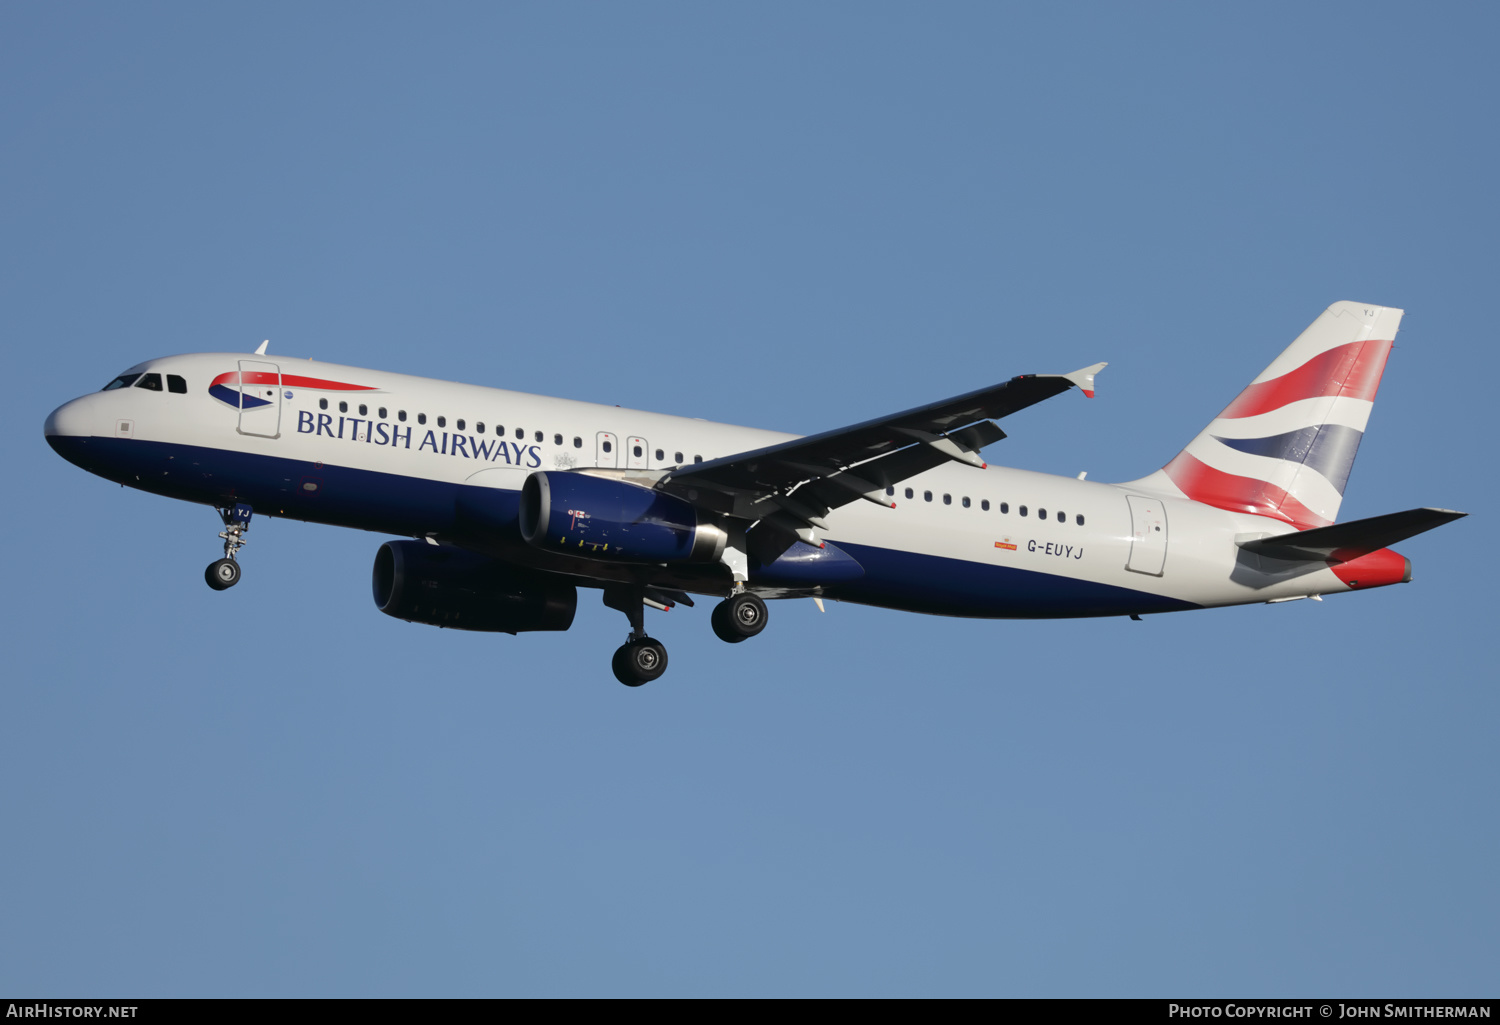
[{"x": 66, "y": 421}]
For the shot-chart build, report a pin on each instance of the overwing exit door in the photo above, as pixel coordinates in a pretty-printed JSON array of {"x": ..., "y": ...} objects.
[
  {"x": 635, "y": 453},
  {"x": 260, "y": 398},
  {"x": 607, "y": 450}
]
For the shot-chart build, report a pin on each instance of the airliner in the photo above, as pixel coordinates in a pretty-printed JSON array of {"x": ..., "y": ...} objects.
[{"x": 505, "y": 504}]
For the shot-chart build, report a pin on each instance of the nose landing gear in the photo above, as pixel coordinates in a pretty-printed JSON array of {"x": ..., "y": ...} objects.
[{"x": 225, "y": 573}]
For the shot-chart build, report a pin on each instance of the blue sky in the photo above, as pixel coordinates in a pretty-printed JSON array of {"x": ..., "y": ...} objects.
[{"x": 788, "y": 216}]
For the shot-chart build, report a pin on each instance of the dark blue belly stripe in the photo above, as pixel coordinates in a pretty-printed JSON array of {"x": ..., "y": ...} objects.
[{"x": 411, "y": 506}]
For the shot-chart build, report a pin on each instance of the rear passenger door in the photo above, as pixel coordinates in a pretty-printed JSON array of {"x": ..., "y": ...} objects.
[{"x": 1148, "y": 535}]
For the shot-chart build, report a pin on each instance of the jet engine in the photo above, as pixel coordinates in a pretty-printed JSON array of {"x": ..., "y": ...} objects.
[
  {"x": 445, "y": 586},
  {"x": 602, "y": 518}
]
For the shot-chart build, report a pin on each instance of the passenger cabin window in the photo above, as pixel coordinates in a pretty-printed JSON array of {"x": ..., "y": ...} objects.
[
  {"x": 661, "y": 456},
  {"x": 382, "y": 412},
  {"x": 1005, "y": 507},
  {"x": 1042, "y": 513},
  {"x": 421, "y": 418},
  {"x": 1022, "y": 510},
  {"x": 578, "y": 443},
  {"x": 322, "y": 403},
  {"x": 401, "y": 415},
  {"x": 985, "y": 505},
  {"x": 459, "y": 424},
  {"x": 539, "y": 436},
  {"x": 927, "y": 496},
  {"x": 966, "y": 501},
  {"x": 343, "y": 407},
  {"x": 697, "y": 459},
  {"x": 947, "y": 499},
  {"x": 442, "y": 421},
  {"x": 910, "y": 493},
  {"x": 891, "y": 492},
  {"x": 178, "y": 385},
  {"x": 364, "y": 410},
  {"x": 520, "y": 433},
  {"x": 1079, "y": 519},
  {"x": 1062, "y": 517},
  {"x": 677, "y": 458},
  {"x": 123, "y": 381},
  {"x": 150, "y": 382},
  {"x": 557, "y": 439},
  {"x": 479, "y": 426}
]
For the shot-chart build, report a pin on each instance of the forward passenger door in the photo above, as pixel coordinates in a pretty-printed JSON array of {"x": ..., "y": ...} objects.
[{"x": 260, "y": 398}]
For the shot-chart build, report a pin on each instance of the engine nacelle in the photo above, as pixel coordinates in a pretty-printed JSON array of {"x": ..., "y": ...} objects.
[
  {"x": 443, "y": 586},
  {"x": 601, "y": 518}
]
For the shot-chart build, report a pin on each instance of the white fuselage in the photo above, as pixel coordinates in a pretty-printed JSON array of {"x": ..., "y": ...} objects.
[{"x": 386, "y": 451}]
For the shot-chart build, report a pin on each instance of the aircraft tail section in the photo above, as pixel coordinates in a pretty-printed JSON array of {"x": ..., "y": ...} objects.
[{"x": 1285, "y": 446}]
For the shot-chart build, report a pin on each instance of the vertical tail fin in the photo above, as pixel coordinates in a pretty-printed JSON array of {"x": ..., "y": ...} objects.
[{"x": 1285, "y": 446}]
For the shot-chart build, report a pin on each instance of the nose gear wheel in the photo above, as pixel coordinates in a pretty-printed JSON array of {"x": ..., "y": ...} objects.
[{"x": 223, "y": 574}]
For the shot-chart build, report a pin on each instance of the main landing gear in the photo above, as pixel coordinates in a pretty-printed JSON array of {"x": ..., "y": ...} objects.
[
  {"x": 225, "y": 573},
  {"x": 640, "y": 659},
  {"x": 739, "y": 617}
]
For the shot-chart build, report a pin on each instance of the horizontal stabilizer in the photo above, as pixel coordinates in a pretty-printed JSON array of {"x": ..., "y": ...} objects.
[{"x": 1345, "y": 541}]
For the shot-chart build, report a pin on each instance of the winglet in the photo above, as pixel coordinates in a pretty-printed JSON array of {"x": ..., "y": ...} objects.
[
  {"x": 260, "y": 350},
  {"x": 1084, "y": 378}
]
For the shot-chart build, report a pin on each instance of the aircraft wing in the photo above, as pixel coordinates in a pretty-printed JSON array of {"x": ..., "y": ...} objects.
[{"x": 790, "y": 487}]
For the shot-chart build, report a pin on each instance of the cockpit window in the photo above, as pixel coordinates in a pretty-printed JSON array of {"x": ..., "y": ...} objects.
[
  {"x": 123, "y": 381},
  {"x": 176, "y": 385},
  {"x": 150, "y": 382}
]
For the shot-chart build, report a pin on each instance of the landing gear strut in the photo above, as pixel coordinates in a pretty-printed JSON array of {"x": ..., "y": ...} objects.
[
  {"x": 225, "y": 573},
  {"x": 739, "y": 617},
  {"x": 640, "y": 659}
]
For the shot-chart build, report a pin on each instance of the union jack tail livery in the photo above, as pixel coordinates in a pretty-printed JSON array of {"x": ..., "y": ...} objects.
[{"x": 1285, "y": 446}]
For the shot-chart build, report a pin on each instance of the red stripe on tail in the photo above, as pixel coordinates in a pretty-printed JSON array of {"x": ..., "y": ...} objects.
[
  {"x": 1351, "y": 370},
  {"x": 1202, "y": 483}
]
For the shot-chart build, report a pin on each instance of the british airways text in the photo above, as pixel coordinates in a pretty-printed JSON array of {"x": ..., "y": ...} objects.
[{"x": 378, "y": 432}]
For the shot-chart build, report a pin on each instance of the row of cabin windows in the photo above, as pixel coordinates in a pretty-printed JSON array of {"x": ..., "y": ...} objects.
[
  {"x": 178, "y": 385},
  {"x": 151, "y": 382},
  {"x": 539, "y": 437},
  {"x": 984, "y": 504}
]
